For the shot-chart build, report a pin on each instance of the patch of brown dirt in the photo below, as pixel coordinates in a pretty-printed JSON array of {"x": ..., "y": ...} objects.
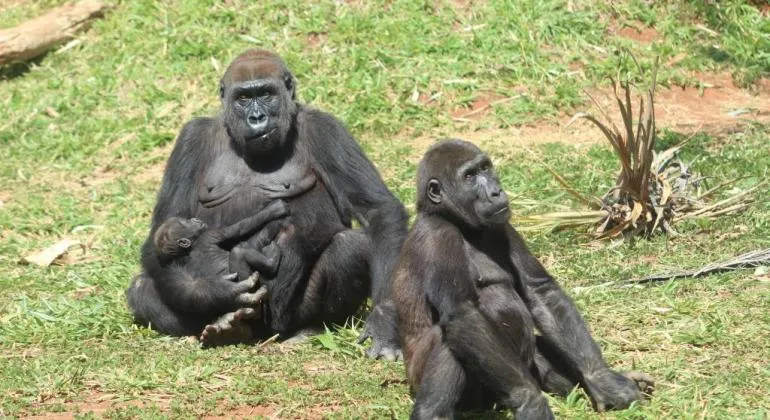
[
  {"x": 244, "y": 412},
  {"x": 460, "y": 5},
  {"x": 317, "y": 39},
  {"x": 719, "y": 107},
  {"x": 502, "y": 140},
  {"x": 95, "y": 402},
  {"x": 154, "y": 172},
  {"x": 479, "y": 107},
  {"x": 642, "y": 34},
  {"x": 10, "y": 4},
  {"x": 763, "y": 6},
  {"x": 633, "y": 30}
]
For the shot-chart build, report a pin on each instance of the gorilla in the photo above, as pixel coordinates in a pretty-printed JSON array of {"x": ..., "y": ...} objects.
[
  {"x": 266, "y": 146},
  {"x": 469, "y": 296}
]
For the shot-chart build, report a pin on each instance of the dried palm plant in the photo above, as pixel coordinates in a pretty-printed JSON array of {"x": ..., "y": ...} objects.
[{"x": 653, "y": 190}]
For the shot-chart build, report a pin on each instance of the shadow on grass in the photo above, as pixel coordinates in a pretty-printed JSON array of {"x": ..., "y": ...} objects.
[{"x": 15, "y": 70}]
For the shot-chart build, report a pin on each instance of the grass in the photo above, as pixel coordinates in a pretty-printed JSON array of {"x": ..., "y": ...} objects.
[{"x": 85, "y": 133}]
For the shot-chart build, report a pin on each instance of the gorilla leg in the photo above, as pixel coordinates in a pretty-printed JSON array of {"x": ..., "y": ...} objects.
[
  {"x": 441, "y": 386},
  {"x": 486, "y": 354},
  {"x": 260, "y": 253},
  {"x": 333, "y": 289},
  {"x": 554, "y": 376},
  {"x": 382, "y": 327},
  {"x": 245, "y": 260},
  {"x": 339, "y": 282},
  {"x": 502, "y": 305},
  {"x": 146, "y": 304},
  {"x": 336, "y": 286}
]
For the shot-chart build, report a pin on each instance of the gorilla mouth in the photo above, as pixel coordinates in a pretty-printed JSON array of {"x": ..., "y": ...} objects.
[
  {"x": 500, "y": 211},
  {"x": 263, "y": 136}
]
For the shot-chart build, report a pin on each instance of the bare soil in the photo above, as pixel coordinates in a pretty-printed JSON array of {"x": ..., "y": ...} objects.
[{"x": 718, "y": 107}]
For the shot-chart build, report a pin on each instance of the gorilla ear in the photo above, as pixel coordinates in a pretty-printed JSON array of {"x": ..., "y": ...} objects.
[
  {"x": 222, "y": 89},
  {"x": 184, "y": 243},
  {"x": 434, "y": 191},
  {"x": 288, "y": 81}
]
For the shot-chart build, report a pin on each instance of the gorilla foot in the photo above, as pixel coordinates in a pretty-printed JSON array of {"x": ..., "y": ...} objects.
[
  {"x": 230, "y": 328},
  {"x": 644, "y": 381},
  {"x": 303, "y": 335}
]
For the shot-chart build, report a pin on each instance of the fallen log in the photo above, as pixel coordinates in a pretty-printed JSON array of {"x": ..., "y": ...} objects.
[{"x": 35, "y": 37}]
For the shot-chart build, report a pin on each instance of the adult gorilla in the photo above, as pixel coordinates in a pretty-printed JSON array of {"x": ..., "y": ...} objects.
[{"x": 266, "y": 146}]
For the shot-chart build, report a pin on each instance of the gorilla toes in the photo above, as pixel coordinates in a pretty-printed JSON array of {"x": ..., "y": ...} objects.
[
  {"x": 381, "y": 328},
  {"x": 390, "y": 354},
  {"x": 230, "y": 328},
  {"x": 644, "y": 382},
  {"x": 535, "y": 409},
  {"x": 303, "y": 335},
  {"x": 611, "y": 390},
  {"x": 381, "y": 349}
]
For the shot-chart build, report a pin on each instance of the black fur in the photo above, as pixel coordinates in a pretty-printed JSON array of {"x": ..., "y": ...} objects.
[
  {"x": 470, "y": 295},
  {"x": 222, "y": 169}
]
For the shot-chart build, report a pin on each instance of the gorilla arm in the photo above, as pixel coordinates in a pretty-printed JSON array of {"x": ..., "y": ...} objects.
[
  {"x": 356, "y": 186},
  {"x": 178, "y": 192},
  {"x": 564, "y": 329}
]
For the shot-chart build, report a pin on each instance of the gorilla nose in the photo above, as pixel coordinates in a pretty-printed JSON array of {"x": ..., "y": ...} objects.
[{"x": 256, "y": 120}]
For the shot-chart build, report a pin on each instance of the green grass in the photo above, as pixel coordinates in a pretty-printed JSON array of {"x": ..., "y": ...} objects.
[{"x": 85, "y": 132}]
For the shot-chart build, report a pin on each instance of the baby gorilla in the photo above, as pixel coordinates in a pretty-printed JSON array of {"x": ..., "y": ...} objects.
[
  {"x": 175, "y": 237},
  {"x": 469, "y": 296},
  {"x": 200, "y": 265}
]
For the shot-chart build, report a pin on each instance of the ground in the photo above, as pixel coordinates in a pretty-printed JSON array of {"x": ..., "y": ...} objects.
[{"x": 86, "y": 130}]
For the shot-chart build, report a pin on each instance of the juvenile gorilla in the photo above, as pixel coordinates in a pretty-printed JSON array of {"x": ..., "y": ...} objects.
[
  {"x": 469, "y": 296},
  {"x": 266, "y": 146}
]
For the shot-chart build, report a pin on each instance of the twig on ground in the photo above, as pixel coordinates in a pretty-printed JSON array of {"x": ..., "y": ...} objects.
[{"x": 747, "y": 260}]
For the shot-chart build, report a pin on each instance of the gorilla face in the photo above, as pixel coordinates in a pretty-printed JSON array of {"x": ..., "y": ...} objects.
[
  {"x": 458, "y": 181},
  {"x": 176, "y": 235},
  {"x": 257, "y": 94}
]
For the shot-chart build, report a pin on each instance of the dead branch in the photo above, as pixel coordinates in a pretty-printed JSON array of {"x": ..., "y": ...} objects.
[
  {"x": 747, "y": 260},
  {"x": 34, "y": 37}
]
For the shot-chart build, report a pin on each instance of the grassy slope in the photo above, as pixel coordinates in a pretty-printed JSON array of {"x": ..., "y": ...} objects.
[{"x": 84, "y": 133}]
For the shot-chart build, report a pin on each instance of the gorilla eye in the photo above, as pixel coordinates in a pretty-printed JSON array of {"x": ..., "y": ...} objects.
[
  {"x": 485, "y": 166},
  {"x": 243, "y": 97},
  {"x": 469, "y": 176}
]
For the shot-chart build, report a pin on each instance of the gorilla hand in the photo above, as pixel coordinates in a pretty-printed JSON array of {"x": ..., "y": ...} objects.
[
  {"x": 610, "y": 390},
  {"x": 381, "y": 328}
]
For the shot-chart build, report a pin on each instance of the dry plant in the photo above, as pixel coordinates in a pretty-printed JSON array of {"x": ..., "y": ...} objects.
[{"x": 653, "y": 190}]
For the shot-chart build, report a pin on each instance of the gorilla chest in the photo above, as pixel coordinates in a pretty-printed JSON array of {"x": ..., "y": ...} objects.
[
  {"x": 487, "y": 269},
  {"x": 230, "y": 190},
  {"x": 497, "y": 297}
]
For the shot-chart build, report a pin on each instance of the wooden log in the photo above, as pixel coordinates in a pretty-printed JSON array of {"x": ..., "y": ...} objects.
[{"x": 34, "y": 37}]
